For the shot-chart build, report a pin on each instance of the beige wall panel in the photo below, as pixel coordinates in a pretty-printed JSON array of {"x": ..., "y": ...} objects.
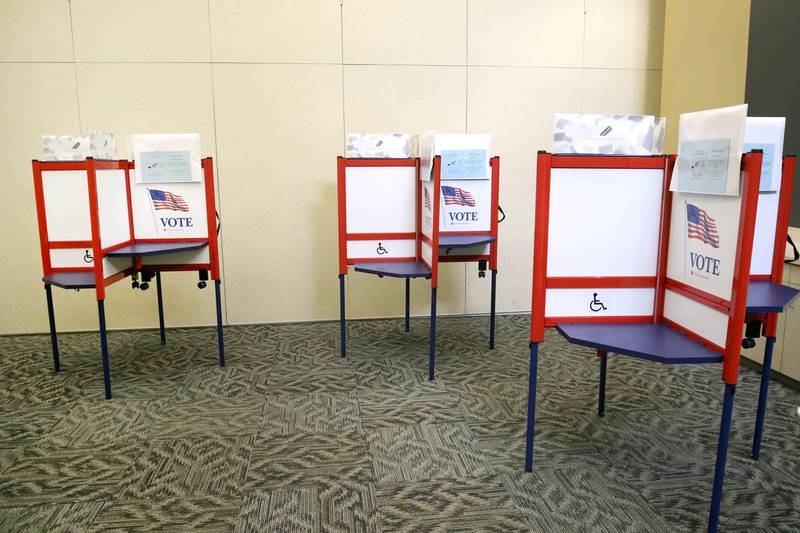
[
  {"x": 144, "y": 30},
  {"x": 516, "y": 105},
  {"x": 622, "y": 91},
  {"x": 526, "y": 33},
  {"x": 35, "y": 31},
  {"x": 416, "y": 32},
  {"x": 276, "y": 31},
  {"x": 279, "y": 129},
  {"x": 705, "y": 57},
  {"x": 624, "y": 33},
  {"x": 154, "y": 98},
  {"x": 34, "y": 99},
  {"x": 415, "y": 100}
]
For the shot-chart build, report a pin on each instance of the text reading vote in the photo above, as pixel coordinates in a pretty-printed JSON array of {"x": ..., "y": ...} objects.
[
  {"x": 177, "y": 222},
  {"x": 705, "y": 264},
  {"x": 464, "y": 216}
]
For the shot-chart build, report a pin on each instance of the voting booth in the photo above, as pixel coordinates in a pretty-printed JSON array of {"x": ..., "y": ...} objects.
[
  {"x": 624, "y": 265},
  {"x": 101, "y": 221},
  {"x": 767, "y": 297},
  {"x": 401, "y": 217}
]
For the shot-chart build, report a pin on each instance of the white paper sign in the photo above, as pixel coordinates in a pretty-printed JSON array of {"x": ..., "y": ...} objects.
[
  {"x": 166, "y": 157},
  {"x": 766, "y": 134},
  {"x": 709, "y": 151},
  {"x": 465, "y": 156}
]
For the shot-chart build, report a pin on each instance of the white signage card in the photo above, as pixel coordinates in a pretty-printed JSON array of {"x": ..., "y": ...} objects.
[
  {"x": 466, "y": 205},
  {"x": 704, "y": 232},
  {"x": 166, "y": 157},
  {"x": 709, "y": 149},
  {"x": 603, "y": 134},
  {"x": 464, "y": 156}
]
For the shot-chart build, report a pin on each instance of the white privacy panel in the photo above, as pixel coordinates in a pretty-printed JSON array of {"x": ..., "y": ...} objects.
[
  {"x": 112, "y": 265},
  {"x": 426, "y": 253},
  {"x": 380, "y": 199},
  {"x": 427, "y": 209},
  {"x": 599, "y": 302},
  {"x": 382, "y": 249},
  {"x": 766, "y": 226},
  {"x": 112, "y": 203},
  {"x": 604, "y": 222},
  {"x": 466, "y": 205},
  {"x": 180, "y": 258},
  {"x": 766, "y": 134},
  {"x": 169, "y": 210},
  {"x": 66, "y": 201},
  {"x": 696, "y": 317},
  {"x": 71, "y": 257},
  {"x": 703, "y": 236}
]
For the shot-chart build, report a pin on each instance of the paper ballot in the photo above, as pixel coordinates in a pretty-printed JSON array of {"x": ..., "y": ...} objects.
[{"x": 709, "y": 151}]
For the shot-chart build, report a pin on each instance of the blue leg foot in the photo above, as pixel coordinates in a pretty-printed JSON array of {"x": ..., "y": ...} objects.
[
  {"x": 342, "y": 326},
  {"x": 432, "y": 340},
  {"x": 601, "y": 396},
  {"x": 531, "y": 407},
  {"x": 51, "y": 315},
  {"x": 220, "y": 338},
  {"x": 408, "y": 304},
  {"x": 492, "y": 311},
  {"x": 161, "y": 329},
  {"x": 762, "y": 398},
  {"x": 722, "y": 456},
  {"x": 101, "y": 312}
]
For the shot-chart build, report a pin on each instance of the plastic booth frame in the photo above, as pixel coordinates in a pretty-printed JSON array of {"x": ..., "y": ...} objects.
[
  {"x": 653, "y": 306},
  {"x": 91, "y": 237},
  {"x": 390, "y": 226}
]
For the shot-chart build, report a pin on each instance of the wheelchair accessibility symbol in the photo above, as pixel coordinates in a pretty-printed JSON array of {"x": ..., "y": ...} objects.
[
  {"x": 381, "y": 250},
  {"x": 596, "y": 305},
  {"x": 87, "y": 257}
]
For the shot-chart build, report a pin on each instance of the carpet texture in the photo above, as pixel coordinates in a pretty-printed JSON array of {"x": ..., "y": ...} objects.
[{"x": 291, "y": 437}]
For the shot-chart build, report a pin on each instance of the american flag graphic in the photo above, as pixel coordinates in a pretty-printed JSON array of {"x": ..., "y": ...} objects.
[
  {"x": 701, "y": 226},
  {"x": 456, "y": 196},
  {"x": 427, "y": 199},
  {"x": 167, "y": 200}
]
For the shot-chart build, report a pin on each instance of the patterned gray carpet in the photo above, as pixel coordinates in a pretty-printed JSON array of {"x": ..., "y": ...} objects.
[{"x": 290, "y": 437}]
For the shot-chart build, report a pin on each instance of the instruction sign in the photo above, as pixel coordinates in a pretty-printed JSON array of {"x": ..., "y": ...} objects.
[
  {"x": 464, "y": 164},
  {"x": 166, "y": 166}
]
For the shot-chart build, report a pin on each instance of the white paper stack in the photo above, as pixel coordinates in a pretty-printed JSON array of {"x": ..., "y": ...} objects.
[{"x": 97, "y": 144}]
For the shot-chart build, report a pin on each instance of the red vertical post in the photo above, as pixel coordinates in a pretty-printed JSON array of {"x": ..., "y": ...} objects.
[
  {"x": 540, "y": 233},
  {"x": 94, "y": 217},
  {"x": 211, "y": 217},
  {"x": 495, "y": 163}
]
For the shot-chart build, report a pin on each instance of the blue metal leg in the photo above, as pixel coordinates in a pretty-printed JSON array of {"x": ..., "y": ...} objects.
[
  {"x": 51, "y": 315},
  {"x": 492, "y": 312},
  {"x": 762, "y": 398},
  {"x": 342, "y": 326},
  {"x": 408, "y": 304},
  {"x": 601, "y": 399},
  {"x": 722, "y": 455},
  {"x": 160, "y": 309},
  {"x": 220, "y": 339},
  {"x": 432, "y": 340},
  {"x": 101, "y": 312},
  {"x": 531, "y": 406}
]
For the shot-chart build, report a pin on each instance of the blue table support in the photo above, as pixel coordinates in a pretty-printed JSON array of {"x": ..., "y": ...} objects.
[
  {"x": 432, "y": 340},
  {"x": 160, "y": 309},
  {"x": 492, "y": 311},
  {"x": 408, "y": 304},
  {"x": 220, "y": 339},
  {"x": 101, "y": 312},
  {"x": 531, "y": 406},
  {"x": 762, "y": 397},
  {"x": 601, "y": 396},
  {"x": 52, "y": 318},
  {"x": 342, "y": 326},
  {"x": 722, "y": 456}
]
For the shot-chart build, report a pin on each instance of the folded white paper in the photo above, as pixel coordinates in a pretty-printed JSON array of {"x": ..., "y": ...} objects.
[
  {"x": 710, "y": 151},
  {"x": 378, "y": 145},
  {"x": 605, "y": 134},
  {"x": 97, "y": 144}
]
